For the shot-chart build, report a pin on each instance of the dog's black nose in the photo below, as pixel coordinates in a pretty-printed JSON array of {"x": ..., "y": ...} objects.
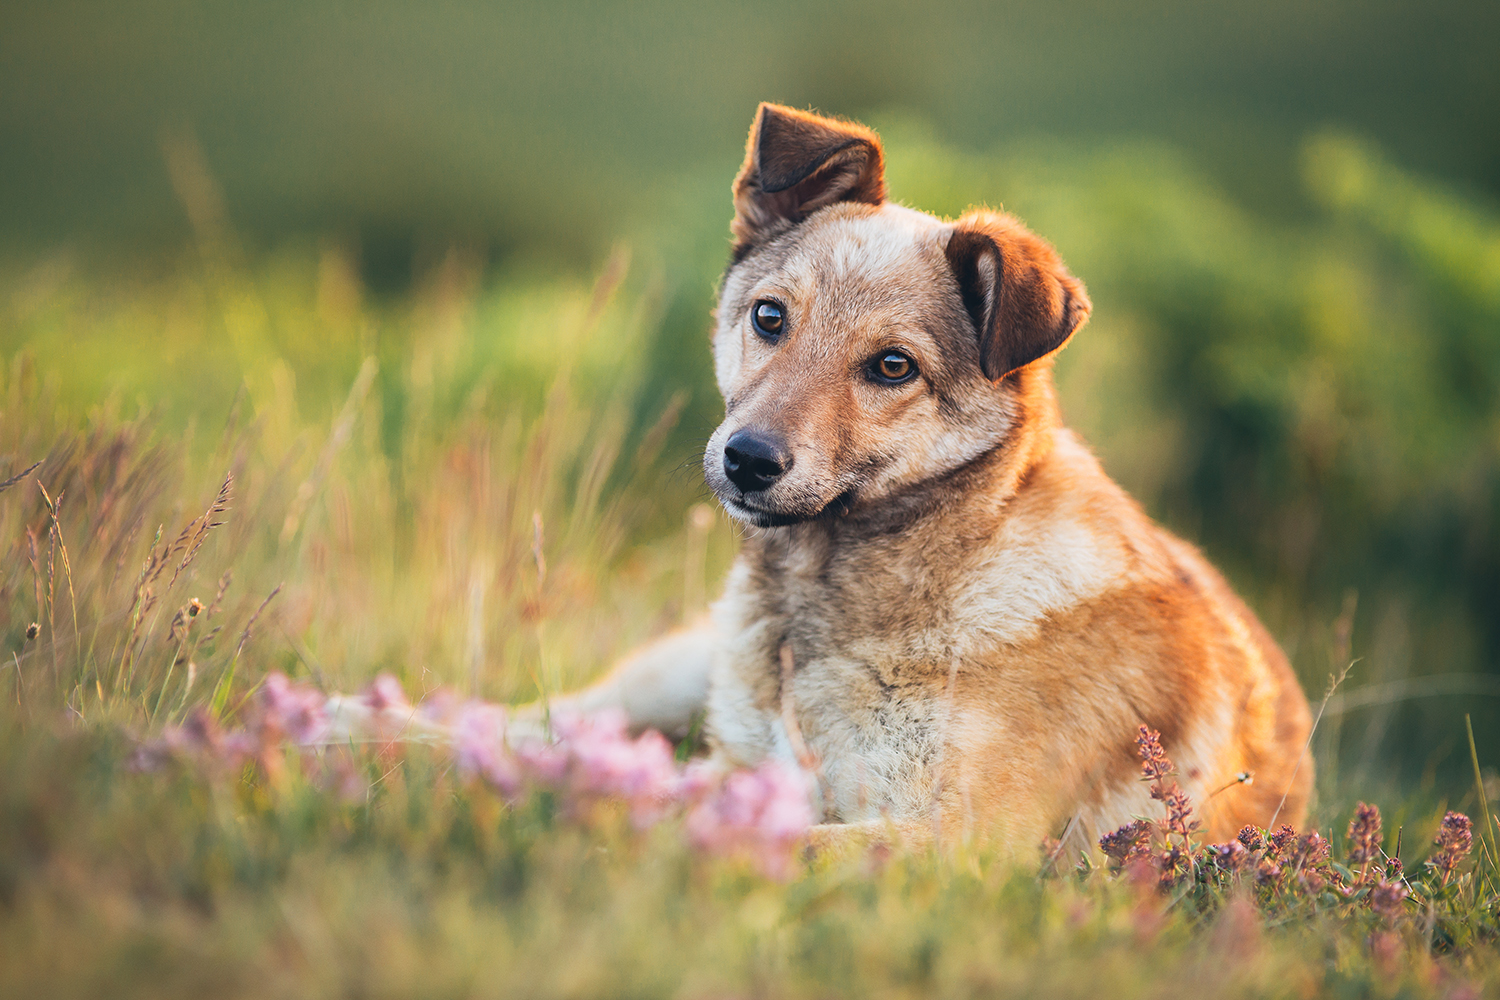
[{"x": 754, "y": 461}]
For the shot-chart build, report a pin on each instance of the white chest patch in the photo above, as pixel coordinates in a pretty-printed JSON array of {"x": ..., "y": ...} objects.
[{"x": 1035, "y": 570}]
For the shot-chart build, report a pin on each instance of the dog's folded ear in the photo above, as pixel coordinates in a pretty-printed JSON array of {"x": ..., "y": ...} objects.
[
  {"x": 1022, "y": 300},
  {"x": 797, "y": 162}
]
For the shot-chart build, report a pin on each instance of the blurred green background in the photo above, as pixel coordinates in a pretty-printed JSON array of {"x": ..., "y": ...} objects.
[{"x": 1285, "y": 213}]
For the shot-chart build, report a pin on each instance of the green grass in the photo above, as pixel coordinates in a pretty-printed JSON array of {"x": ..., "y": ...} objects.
[
  {"x": 180, "y": 883},
  {"x": 489, "y": 484}
]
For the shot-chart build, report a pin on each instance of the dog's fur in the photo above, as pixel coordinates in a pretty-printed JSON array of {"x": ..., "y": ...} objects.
[{"x": 971, "y": 619}]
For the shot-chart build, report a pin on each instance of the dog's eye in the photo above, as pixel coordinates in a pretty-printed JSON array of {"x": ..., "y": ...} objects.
[
  {"x": 768, "y": 319},
  {"x": 894, "y": 367}
]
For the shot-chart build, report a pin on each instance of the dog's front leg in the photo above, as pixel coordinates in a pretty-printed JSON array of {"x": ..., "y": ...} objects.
[{"x": 660, "y": 686}]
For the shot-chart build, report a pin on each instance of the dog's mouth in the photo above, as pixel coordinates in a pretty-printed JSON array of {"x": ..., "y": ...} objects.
[{"x": 741, "y": 509}]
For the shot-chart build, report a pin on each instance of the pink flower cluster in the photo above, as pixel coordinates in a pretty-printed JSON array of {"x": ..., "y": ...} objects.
[
  {"x": 297, "y": 711},
  {"x": 758, "y": 815},
  {"x": 591, "y": 757}
]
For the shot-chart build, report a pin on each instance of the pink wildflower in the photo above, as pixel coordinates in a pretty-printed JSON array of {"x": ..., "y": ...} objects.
[
  {"x": 1154, "y": 762},
  {"x": 295, "y": 710},
  {"x": 440, "y": 706},
  {"x": 200, "y": 738},
  {"x": 340, "y": 776},
  {"x": 1283, "y": 836},
  {"x": 1364, "y": 839},
  {"x": 543, "y": 762},
  {"x": 1179, "y": 808},
  {"x": 606, "y": 762},
  {"x": 386, "y": 692},
  {"x": 1308, "y": 857},
  {"x": 1364, "y": 834},
  {"x": 759, "y": 814},
  {"x": 1455, "y": 839},
  {"x": 1385, "y": 949},
  {"x": 1128, "y": 843},
  {"x": 1230, "y": 857},
  {"x": 1388, "y": 899},
  {"x": 479, "y": 746},
  {"x": 1267, "y": 872},
  {"x": 199, "y": 734}
]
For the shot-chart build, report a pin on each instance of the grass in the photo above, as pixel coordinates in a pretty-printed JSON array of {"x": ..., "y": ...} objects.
[
  {"x": 181, "y": 882},
  {"x": 485, "y": 485}
]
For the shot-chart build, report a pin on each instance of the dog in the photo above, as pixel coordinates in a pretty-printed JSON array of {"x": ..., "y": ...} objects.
[{"x": 942, "y": 607}]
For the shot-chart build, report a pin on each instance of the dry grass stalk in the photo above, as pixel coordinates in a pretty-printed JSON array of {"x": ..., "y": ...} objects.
[
  {"x": 537, "y": 554},
  {"x": 342, "y": 428},
  {"x": 36, "y": 570},
  {"x": 57, "y": 542},
  {"x": 183, "y": 550},
  {"x": 20, "y": 679},
  {"x": 649, "y": 449},
  {"x": 221, "y": 690},
  {"x": 1343, "y": 629},
  {"x": 1333, "y": 685},
  {"x": 124, "y": 551},
  {"x": 245, "y": 635},
  {"x": 141, "y": 602},
  {"x": 52, "y": 588},
  {"x": 218, "y": 603},
  {"x": 190, "y": 613},
  {"x": 13, "y": 480},
  {"x": 480, "y": 572},
  {"x": 180, "y": 630},
  {"x": 194, "y": 535},
  {"x": 1486, "y": 844}
]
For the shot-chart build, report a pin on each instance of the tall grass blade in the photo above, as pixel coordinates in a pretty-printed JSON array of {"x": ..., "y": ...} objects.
[{"x": 1488, "y": 840}]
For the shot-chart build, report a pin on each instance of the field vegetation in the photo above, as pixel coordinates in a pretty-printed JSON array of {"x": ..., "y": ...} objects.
[{"x": 250, "y": 462}]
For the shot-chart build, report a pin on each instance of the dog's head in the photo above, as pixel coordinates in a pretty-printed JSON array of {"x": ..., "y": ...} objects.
[{"x": 863, "y": 347}]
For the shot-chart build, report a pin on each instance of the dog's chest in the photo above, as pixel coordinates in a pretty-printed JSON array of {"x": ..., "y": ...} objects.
[
  {"x": 874, "y": 631},
  {"x": 875, "y": 747},
  {"x": 868, "y": 711}
]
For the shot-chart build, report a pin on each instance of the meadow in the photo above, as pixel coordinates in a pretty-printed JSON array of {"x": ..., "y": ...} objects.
[{"x": 252, "y": 460}]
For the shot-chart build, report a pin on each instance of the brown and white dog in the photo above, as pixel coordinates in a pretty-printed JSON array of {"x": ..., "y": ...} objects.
[{"x": 943, "y": 601}]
